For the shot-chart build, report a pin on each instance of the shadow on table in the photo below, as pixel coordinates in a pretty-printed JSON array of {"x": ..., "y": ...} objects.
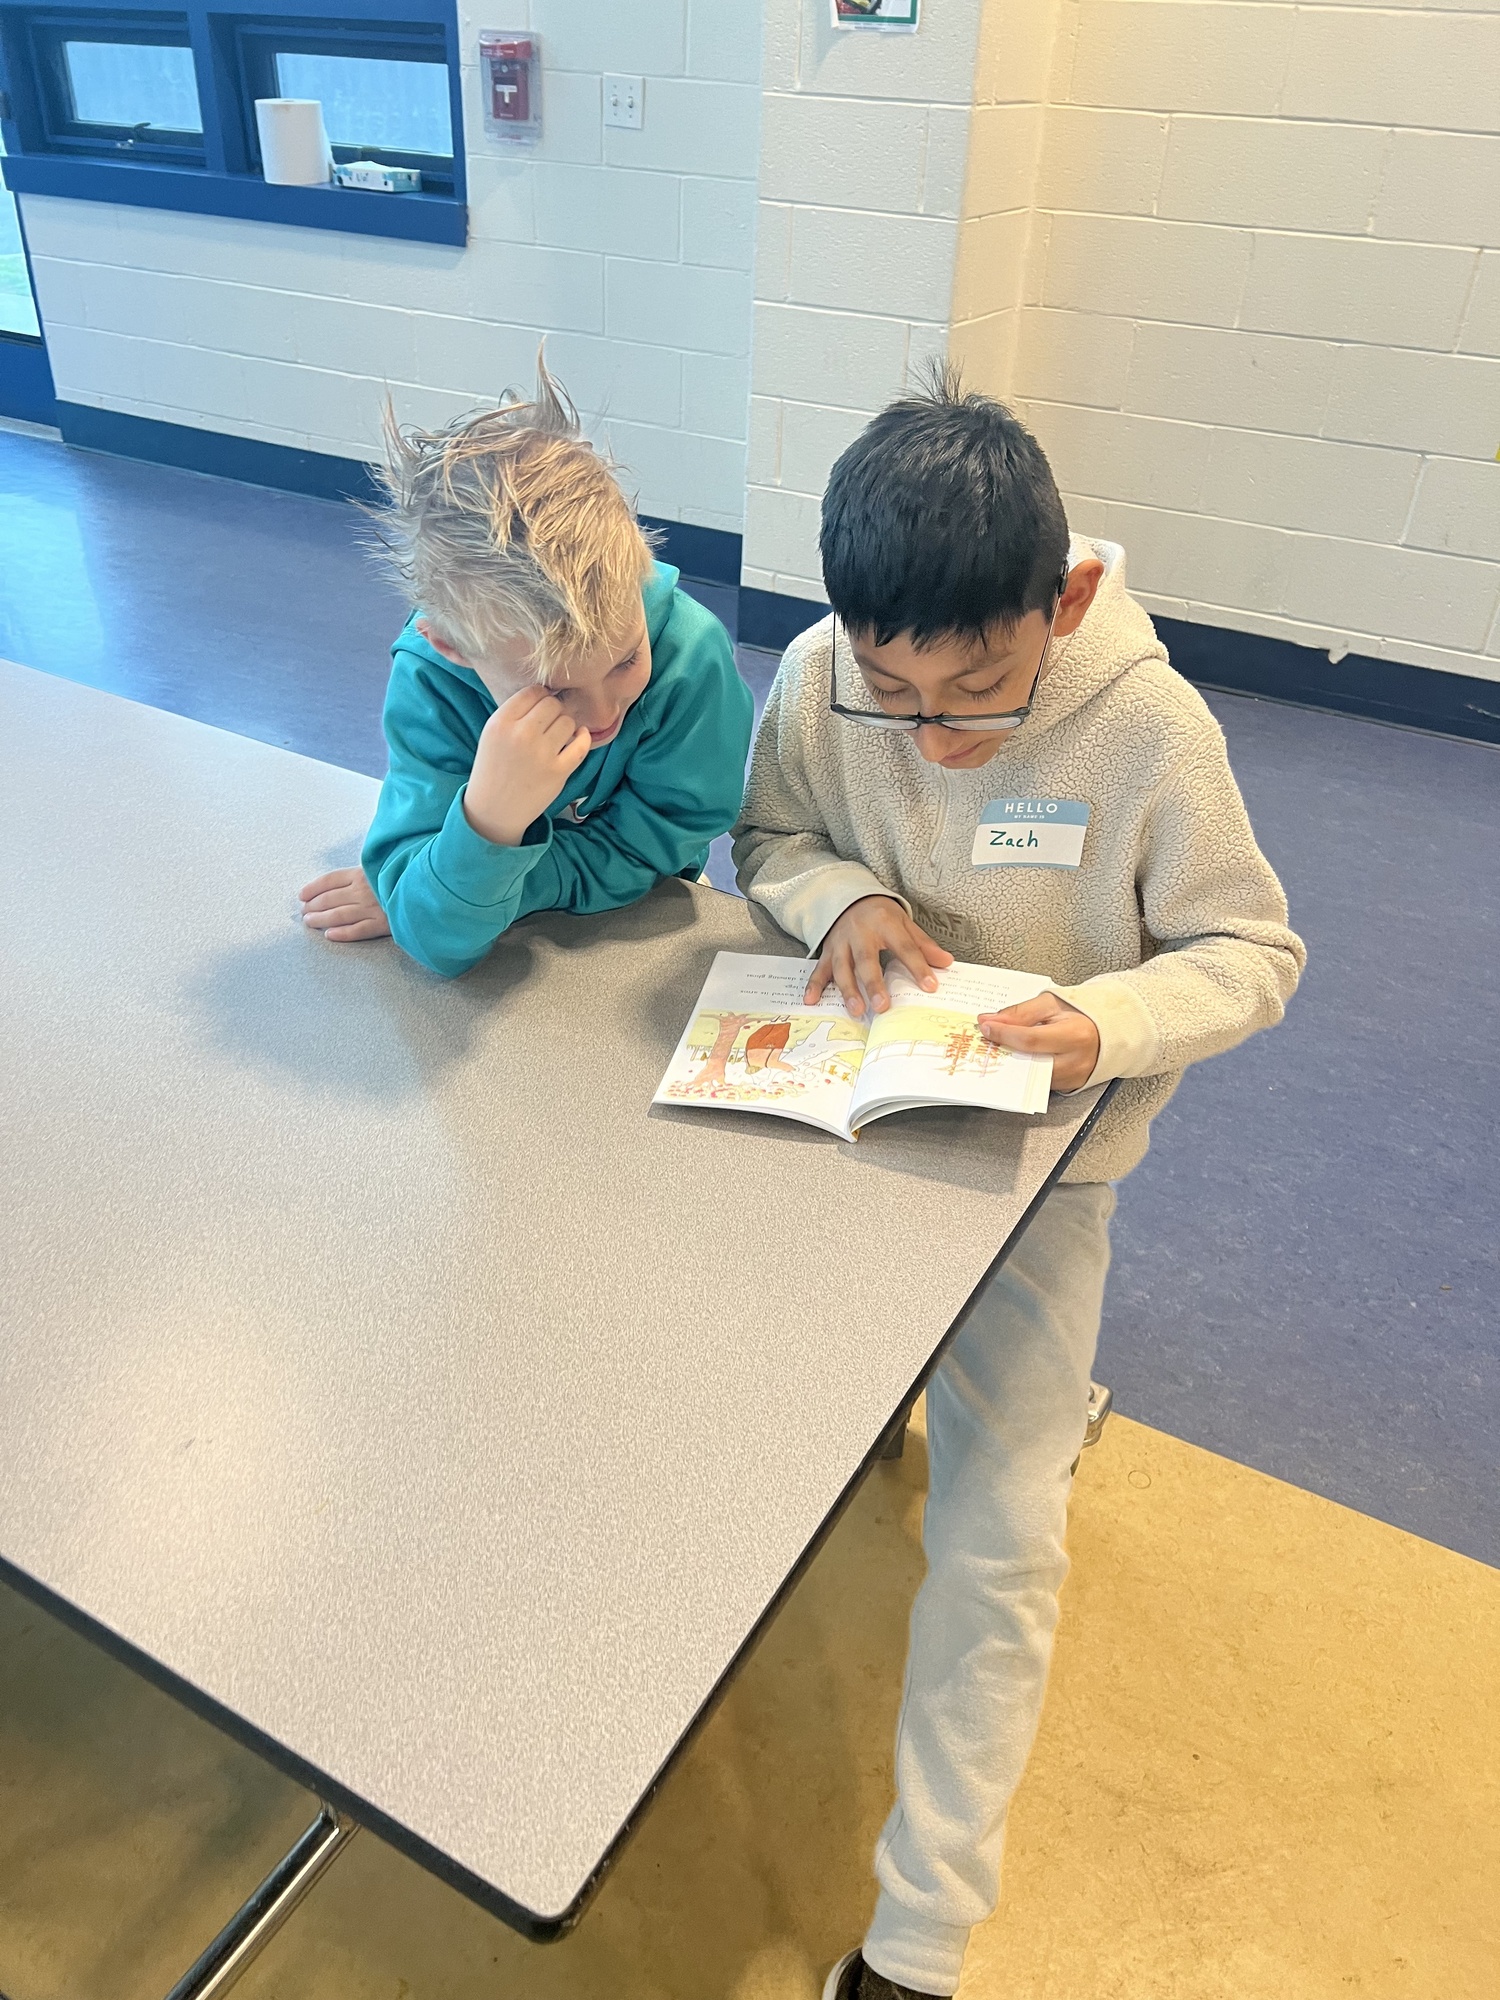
[{"x": 364, "y": 1022}]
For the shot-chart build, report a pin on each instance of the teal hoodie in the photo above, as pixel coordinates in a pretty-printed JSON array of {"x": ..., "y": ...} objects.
[{"x": 642, "y": 807}]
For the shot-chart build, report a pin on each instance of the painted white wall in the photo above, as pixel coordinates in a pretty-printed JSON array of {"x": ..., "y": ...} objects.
[
  {"x": 865, "y": 145},
  {"x": 1236, "y": 263},
  {"x": 1011, "y": 83},
  {"x": 1265, "y": 348},
  {"x": 631, "y": 251}
]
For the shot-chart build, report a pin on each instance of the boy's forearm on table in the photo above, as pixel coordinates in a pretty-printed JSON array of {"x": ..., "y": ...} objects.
[
  {"x": 589, "y": 869},
  {"x": 448, "y": 897}
]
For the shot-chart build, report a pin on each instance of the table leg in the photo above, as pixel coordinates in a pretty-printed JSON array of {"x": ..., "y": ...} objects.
[
  {"x": 259, "y": 1919},
  {"x": 895, "y": 1444}
]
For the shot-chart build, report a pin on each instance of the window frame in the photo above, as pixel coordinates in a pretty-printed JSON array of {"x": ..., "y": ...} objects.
[
  {"x": 258, "y": 42},
  {"x": 49, "y": 37},
  {"x": 232, "y": 48}
]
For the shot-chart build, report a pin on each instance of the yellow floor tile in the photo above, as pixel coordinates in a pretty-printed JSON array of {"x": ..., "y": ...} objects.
[{"x": 1267, "y": 1771}]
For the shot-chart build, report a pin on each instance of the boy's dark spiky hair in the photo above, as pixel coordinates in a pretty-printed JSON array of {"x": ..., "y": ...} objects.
[{"x": 942, "y": 519}]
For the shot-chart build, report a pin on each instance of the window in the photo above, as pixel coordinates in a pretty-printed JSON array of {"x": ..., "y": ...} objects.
[
  {"x": 118, "y": 84},
  {"x": 110, "y": 101},
  {"x": 384, "y": 87},
  {"x": 373, "y": 105},
  {"x": 139, "y": 86}
]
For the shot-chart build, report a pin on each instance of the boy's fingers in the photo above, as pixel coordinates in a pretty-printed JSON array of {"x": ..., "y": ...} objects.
[
  {"x": 342, "y": 896},
  {"x": 912, "y": 956},
  {"x": 524, "y": 701},
  {"x": 574, "y": 752},
  {"x": 556, "y": 726},
  {"x": 541, "y": 722},
  {"x": 848, "y": 984},
  {"x": 340, "y": 878},
  {"x": 367, "y": 927},
  {"x": 822, "y": 972},
  {"x": 931, "y": 950},
  {"x": 871, "y": 979},
  {"x": 1048, "y": 1040},
  {"x": 1027, "y": 1013}
]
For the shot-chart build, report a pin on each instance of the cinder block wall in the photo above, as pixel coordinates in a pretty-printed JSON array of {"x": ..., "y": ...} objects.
[
  {"x": 638, "y": 275},
  {"x": 1017, "y": 39},
  {"x": 1263, "y": 353},
  {"x": 864, "y": 158},
  {"x": 1237, "y": 264}
]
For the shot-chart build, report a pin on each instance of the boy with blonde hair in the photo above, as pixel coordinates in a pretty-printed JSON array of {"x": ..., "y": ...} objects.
[
  {"x": 984, "y": 754},
  {"x": 566, "y": 727}
]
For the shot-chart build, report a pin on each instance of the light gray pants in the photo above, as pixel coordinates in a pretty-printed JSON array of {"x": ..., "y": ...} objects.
[{"x": 1006, "y": 1413}]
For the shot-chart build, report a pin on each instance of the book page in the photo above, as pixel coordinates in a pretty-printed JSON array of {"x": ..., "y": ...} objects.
[
  {"x": 752, "y": 1044},
  {"x": 928, "y": 1049}
]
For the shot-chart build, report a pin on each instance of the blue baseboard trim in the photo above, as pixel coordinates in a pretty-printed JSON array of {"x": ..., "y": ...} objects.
[
  {"x": 26, "y": 381},
  {"x": 1213, "y": 657},
  {"x": 711, "y": 555},
  {"x": 771, "y": 621},
  {"x": 1209, "y": 655},
  {"x": 1376, "y": 690},
  {"x": 252, "y": 460}
]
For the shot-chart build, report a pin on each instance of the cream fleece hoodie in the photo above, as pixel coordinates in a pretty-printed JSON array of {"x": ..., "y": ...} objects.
[{"x": 1171, "y": 936}]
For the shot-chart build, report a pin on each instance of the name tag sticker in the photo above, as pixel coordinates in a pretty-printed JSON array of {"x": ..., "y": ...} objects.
[{"x": 1031, "y": 833}]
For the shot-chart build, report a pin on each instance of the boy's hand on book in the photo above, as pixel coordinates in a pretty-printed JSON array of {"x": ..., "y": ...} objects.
[
  {"x": 343, "y": 907},
  {"x": 528, "y": 750},
  {"x": 853, "y": 950},
  {"x": 1048, "y": 1026}
]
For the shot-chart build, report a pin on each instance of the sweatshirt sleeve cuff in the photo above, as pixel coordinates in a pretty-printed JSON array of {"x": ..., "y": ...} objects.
[
  {"x": 1129, "y": 1041},
  {"x": 821, "y": 898},
  {"x": 475, "y": 870}
]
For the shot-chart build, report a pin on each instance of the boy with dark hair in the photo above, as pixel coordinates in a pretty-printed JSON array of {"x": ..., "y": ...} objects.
[{"x": 983, "y": 753}]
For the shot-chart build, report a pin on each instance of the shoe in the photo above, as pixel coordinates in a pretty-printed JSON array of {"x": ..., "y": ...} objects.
[
  {"x": 852, "y": 1979},
  {"x": 843, "y": 1982}
]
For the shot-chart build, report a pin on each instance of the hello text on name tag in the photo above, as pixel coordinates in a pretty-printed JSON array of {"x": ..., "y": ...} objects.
[{"x": 1031, "y": 833}]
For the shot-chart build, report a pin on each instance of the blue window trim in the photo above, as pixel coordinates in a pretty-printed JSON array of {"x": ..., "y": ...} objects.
[
  {"x": 42, "y": 63},
  {"x": 229, "y": 183}
]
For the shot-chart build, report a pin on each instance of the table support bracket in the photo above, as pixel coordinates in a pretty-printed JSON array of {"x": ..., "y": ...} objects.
[{"x": 257, "y": 1921}]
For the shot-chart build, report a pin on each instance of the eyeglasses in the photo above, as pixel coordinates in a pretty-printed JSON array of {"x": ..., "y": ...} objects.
[{"x": 988, "y": 725}]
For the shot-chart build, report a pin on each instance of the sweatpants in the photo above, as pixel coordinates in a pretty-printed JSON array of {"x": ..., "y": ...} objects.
[{"x": 1006, "y": 1413}]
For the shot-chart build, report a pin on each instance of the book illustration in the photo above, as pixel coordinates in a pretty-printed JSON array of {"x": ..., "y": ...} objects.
[
  {"x": 741, "y": 1058},
  {"x": 753, "y": 1043},
  {"x": 949, "y": 1044}
]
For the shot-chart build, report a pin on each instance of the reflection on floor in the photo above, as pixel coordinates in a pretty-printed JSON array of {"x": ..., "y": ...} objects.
[{"x": 1253, "y": 1782}]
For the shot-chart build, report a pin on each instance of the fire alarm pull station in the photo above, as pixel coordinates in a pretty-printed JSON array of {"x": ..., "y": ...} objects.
[{"x": 511, "y": 66}]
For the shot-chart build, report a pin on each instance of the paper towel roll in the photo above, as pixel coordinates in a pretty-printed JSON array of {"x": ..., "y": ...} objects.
[{"x": 293, "y": 145}]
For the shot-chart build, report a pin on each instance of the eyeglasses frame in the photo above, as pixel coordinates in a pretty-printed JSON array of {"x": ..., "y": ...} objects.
[{"x": 972, "y": 725}]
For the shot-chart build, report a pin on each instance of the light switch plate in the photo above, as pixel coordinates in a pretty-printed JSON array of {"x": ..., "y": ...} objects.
[{"x": 625, "y": 101}]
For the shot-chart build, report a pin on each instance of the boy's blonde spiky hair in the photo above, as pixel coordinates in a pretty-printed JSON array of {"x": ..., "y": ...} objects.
[{"x": 509, "y": 525}]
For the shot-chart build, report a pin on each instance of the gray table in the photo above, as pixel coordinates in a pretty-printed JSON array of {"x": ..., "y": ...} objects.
[{"x": 378, "y": 1369}]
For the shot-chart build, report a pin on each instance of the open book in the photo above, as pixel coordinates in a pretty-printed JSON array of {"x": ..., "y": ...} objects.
[{"x": 753, "y": 1044}]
